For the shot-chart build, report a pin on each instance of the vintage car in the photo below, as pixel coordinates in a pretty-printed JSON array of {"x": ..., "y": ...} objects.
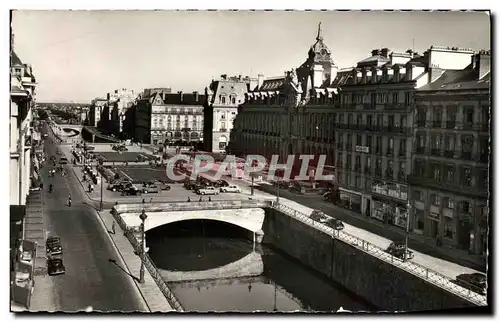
[
  {"x": 230, "y": 188},
  {"x": 475, "y": 282},
  {"x": 55, "y": 266},
  {"x": 53, "y": 246}
]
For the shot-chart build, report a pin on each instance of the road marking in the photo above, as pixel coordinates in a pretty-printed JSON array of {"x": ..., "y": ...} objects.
[{"x": 126, "y": 175}]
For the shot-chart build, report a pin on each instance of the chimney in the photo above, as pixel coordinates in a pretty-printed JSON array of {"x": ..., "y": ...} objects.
[
  {"x": 384, "y": 52},
  {"x": 196, "y": 96},
  {"x": 260, "y": 80},
  {"x": 239, "y": 77},
  {"x": 223, "y": 76},
  {"x": 482, "y": 62},
  {"x": 181, "y": 95},
  {"x": 375, "y": 52}
]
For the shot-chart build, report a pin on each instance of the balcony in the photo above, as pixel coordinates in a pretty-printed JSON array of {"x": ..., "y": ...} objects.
[
  {"x": 389, "y": 174},
  {"x": 467, "y": 126},
  {"x": 420, "y": 150},
  {"x": 435, "y": 152},
  {"x": 466, "y": 155},
  {"x": 402, "y": 153},
  {"x": 368, "y": 127},
  {"x": 390, "y": 152},
  {"x": 378, "y": 173},
  {"x": 436, "y": 124},
  {"x": 450, "y": 124},
  {"x": 421, "y": 123},
  {"x": 368, "y": 106},
  {"x": 419, "y": 180},
  {"x": 402, "y": 177},
  {"x": 449, "y": 154}
]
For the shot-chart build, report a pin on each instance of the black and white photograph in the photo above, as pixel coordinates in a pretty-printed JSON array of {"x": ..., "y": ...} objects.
[{"x": 225, "y": 161}]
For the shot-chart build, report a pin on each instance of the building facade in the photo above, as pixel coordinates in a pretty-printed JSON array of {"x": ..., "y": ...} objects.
[
  {"x": 113, "y": 111},
  {"x": 95, "y": 111},
  {"x": 290, "y": 114},
  {"x": 22, "y": 102},
  {"x": 223, "y": 97},
  {"x": 450, "y": 177},
  {"x": 166, "y": 118}
]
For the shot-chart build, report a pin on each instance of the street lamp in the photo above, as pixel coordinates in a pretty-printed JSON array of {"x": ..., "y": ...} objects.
[
  {"x": 143, "y": 218},
  {"x": 102, "y": 184},
  {"x": 407, "y": 232}
]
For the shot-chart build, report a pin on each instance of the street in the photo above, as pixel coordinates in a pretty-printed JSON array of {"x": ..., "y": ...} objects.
[{"x": 90, "y": 279}]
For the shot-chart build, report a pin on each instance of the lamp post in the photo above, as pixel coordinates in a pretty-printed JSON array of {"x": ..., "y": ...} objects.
[
  {"x": 143, "y": 218},
  {"x": 407, "y": 232},
  {"x": 102, "y": 184}
]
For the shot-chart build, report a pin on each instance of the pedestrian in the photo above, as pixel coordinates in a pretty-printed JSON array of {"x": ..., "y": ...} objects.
[
  {"x": 143, "y": 200},
  {"x": 151, "y": 200},
  {"x": 189, "y": 199},
  {"x": 200, "y": 200},
  {"x": 209, "y": 199},
  {"x": 113, "y": 229}
]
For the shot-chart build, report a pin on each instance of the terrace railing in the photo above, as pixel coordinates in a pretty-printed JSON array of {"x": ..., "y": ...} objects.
[{"x": 425, "y": 273}]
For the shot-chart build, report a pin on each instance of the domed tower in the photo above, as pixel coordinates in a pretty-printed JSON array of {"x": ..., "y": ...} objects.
[{"x": 320, "y": 65}]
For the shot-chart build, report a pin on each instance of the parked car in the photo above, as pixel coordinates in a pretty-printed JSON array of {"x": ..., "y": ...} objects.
[
  {"x": 189, "y": 185},
  {"x": 222, "y": 183},
  {"x": 319, "y": 216},
  {"x": 26, "y": 257},
  {"x": 163, "y": 185},
  {"x": 130, "y": 191},
  {"x": 231, "y": 188},
  {"x": 63, "y": 160},
  {"x": 149, "y": 187},
  {"x": 120, "y": 186},
  {"x": 208, "y": 191},
  {"x": 53, "y": 246},
  {"x": 335, "y": 224},
  {"x": 475, "y": 282},
  {"x": 55, "y": 266},
  {"x": 397, "y": 249}
]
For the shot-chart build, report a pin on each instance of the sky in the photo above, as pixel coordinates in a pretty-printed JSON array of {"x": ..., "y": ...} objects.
[{"x": 79, "y": 55}]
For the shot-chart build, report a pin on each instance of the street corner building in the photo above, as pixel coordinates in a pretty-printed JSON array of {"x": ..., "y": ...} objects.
[{"x": 405, "y": 133}]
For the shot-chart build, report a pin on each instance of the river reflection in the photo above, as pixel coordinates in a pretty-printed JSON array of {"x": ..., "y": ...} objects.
[{"x": 222, "y": 273}]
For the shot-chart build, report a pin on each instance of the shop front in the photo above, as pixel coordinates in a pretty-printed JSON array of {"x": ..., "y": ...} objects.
[
  {"x": 389, "y": 211},
  {"x": 350, "y": 200},
  {"x": 157, "y": 137}
]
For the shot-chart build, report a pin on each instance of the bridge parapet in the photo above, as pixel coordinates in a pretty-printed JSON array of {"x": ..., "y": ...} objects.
[{"x": 190, "y": 206}]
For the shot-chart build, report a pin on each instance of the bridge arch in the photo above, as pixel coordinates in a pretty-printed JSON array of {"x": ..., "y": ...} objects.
[{"x": 250, "y": 219}]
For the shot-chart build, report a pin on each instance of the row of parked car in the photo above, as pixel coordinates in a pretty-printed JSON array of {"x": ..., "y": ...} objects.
[
  {"x": 204, "y": 186},
  {"x": 126, "y": 187}
]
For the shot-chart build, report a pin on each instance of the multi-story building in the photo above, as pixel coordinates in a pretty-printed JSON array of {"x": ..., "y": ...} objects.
[
  {"x": 22, "y": 103},
  {"x": 95, "y": 111},
  {"x": 450, "y": 179},
  {"x": 374, "y": 121},
  {"x": 290, "y": 114},
  {"x": 113, "y": 112},
  {"x": 223, "y": 97},
  {"x": 162, "y": 118}
]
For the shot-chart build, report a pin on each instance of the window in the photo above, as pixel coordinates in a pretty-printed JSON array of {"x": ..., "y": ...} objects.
[
  {"x": 391, "y": 143},
  {"x": 349, "y": 119},
  {"x": 418, "y": 195},
  {"x": 349, "y": 142},
  {"x": 378, "y": 144},
  {"x": 395, "y": 98},
  {"x": 223, "y": 100},
  {"x": 368, "y": 162},
  {"x": 17, "y": 71},
  {"x": 402, "y": 167},
  {"x": 450, "y": 143},
  {"x": 436, "y": 172},
  {"x": 358, "y": 162},
  {"x": 348, "y": 179},
  {"x": 448, "y": 203},
  {"x": 380, "y": 120},
  {"x": 348, "y": 162},
  {"x": 233, "y": 100},
  {"x": 450, "y": 173},
  {"x": 435, "y": 200},
  {"x": 402, "y": 146},
  {"x": 359, "y": 119},
  {"x": 358, "y": 140},
  {"x": 389, "y": 165},
  {"x": 339, "y": 160},
  {"x": 469, "y": 115},
  {"x": 448, "y": 228},
  {"x": 369, "y": 120},
  {"x": 403, "y": 121},
  {"x": 407, "y": 98},
  {"x": 391, "y": 121},
  {"x": 369, "y": 143},
  {"x": 466, "y": 177},
  {"x": 358, "y": 181},
  {"x": 223, "y": 115},
  {"x": 341, "y": 118}
]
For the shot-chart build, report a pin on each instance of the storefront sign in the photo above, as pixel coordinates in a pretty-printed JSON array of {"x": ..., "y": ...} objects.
[
  {"x": 434, "y": 216},
  {"x": 364, "y": 149}
]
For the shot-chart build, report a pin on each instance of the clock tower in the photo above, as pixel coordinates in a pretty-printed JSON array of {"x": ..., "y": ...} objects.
[{"x": 319, "y": 64}]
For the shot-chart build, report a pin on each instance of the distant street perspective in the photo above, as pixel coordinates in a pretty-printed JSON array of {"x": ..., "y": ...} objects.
[{"x": 111, "y": 209}]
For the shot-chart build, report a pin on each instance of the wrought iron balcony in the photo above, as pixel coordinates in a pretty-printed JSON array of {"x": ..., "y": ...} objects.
[
  {"x": 421, "y": 123},
  {"x": 420, "y": 150},
  {"x": 450, "y": 124},
  {"x": 435, "y": 152},
  {"x": 449, "y": 154},
  {"x": 423, "y": 181},
  {"x": 437, "y": 123}
]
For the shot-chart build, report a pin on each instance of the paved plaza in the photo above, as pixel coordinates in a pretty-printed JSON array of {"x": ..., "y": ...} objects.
[{"x": 123, "y": 157}]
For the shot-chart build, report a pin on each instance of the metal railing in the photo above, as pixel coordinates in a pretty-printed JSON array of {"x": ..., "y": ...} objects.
[
  {"x": 148, "y": 263},
  {"x": 425, "y": 273}
]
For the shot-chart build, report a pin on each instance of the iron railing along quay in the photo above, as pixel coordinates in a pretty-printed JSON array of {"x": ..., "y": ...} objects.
[
  {"x": 148, "y": 263},
  {"x": 425, "y": 273}
]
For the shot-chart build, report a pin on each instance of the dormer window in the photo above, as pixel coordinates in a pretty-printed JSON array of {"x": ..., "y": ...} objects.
[
  {"x": 17, "y": 72},
  {"x": 223, "y": 100},
  {"x": 354, "y": 76},
  {"x": 363, "y": 76},
  {"x": 396, "y": 74},
  {"x": 384, "y": 75},
  {"x": 374, "y": 75}
]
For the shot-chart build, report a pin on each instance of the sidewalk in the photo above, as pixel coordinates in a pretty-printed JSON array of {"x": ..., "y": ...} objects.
[{"x": 154, "y": 298}]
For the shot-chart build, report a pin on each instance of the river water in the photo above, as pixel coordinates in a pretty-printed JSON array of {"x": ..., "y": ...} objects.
[{"x": 210, "y": 266}]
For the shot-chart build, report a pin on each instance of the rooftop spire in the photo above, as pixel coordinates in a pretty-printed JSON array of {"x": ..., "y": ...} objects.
[{"x": 319, "y": 36}]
